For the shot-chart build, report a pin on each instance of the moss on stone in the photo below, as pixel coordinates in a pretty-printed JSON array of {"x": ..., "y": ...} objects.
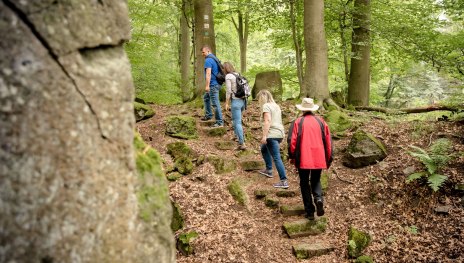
[
  {"x": 177, "y": 221},
  {"x": 228, "y": 145},
  {"x": 216, "y": 132},
  {"x": 236, "y": 189},
  {"x": 152, "y": 191},
  {"x": 183, "y": 165},
  {"x": 357, "y": 242},
  {"x": 252, "y": 165},
  {"x": 174, "y": 176},
  {"x": 285, "y": 193},
  {"x": 364, "y": 259},
  {"x": 142, "y": 111},
  {"x": 305, "y": 227},
  {"x": 338, "y": 121},
  {"x": 182, "y": 127},
  {"x": 271, "y": 202},
  {"x": 221, "y": 165},
  {"x": 260, "y": 193},
  {"x": 184, "y": 242},
  {"x": 178, "y": 149}
]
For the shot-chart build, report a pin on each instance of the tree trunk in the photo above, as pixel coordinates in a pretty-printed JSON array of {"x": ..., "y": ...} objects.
[
  {"x": 412, "y": 110},
  {"x": 344, "y": 46},
  {"x": 358, "y": 84},
  {"x": 294, "y": 8},
  {"x": 185, "y": 51},
  {"x": 242, "y": 27},
  {"x": 390, "y": 89},
  {"x": 203, "y": 35},
  {"x": 316, "y": 75}
]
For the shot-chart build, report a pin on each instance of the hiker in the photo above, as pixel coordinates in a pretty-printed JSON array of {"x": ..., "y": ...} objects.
[
  {"x": 310, "y": 149},
  {"x": 273, "y": 133},
  {"x": 237, "y": 104},
  {"x": 212, "y": 88}
]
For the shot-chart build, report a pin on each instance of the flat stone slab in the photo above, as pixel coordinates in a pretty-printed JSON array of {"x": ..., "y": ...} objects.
[
  {"x": 271, "y": 202},
  {"x": 295, "y": 210},
  {"x": 305, "y": 251},
  {"x": 207, "y": 123},
  {"x": 215, "y": 132},
  {"x": 285, "y": 193},
  {"x": 252, "y": 165},
  {"x": 305, "y": 227},
  {"x": 227, "y": 145},
  {"x": 443, "y": 209},
  {"x": 261, "y": 193}
]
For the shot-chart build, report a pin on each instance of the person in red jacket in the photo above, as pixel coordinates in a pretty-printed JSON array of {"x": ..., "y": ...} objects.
[{"x": 310, "y": 149}]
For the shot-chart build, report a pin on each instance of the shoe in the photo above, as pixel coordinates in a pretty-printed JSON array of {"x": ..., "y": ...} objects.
[
  {"x": 319, "y": 207},
  {"x": 205, "y": 118},
  {"x": 267, "y": 173},
  {"x": 216, "y": 125},
  {"x": 310, "y": 216},
  {"x": 241, "y": 147},
  {"x": 281, "y": 184}
]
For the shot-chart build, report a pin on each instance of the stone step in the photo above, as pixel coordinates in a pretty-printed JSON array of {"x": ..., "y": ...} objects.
[
  {"x": 252, "y": 165},
  {"x": 215, "y": 132},
  {"x": 225, "y": 145},
  {"x": 207, "y": 123},
  {"x": 305, "y": 227},
  {"x": 295, "y": 210},
  {"x": 285, "y": 193},
  {"x": 305, "y": 251}
]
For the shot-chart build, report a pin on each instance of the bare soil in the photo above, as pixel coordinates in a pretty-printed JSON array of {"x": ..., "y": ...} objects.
[{"x": 400, "y": 217}]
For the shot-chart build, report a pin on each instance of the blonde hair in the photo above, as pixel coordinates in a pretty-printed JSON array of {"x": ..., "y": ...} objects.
[
  {"x": 228, "y": 67},
  {"x": 264, "y": 96}
]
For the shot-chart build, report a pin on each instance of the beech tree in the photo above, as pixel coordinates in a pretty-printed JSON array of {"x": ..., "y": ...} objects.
[{"x": 184, "y": 52}]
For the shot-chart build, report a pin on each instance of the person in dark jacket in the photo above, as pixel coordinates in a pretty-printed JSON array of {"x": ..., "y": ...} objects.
[{"x": 310, "y": 149}]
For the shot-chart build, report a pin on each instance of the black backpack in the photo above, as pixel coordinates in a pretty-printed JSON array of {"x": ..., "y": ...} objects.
[
  {"x": 243, "y": 88},
  {"x": 220, "y": 77}
]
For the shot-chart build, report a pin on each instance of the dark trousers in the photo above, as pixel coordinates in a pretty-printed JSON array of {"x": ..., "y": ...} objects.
[{"x": 310, "y": 178}]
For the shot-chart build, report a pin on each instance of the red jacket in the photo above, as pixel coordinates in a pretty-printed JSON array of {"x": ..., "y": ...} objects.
[{"x": 312, "y": 155}]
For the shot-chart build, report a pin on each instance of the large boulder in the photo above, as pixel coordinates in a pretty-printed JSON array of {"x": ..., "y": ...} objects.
[
  {"x": 142, "y": 111},
  {"x": 364, "y": 149},
  {"x": 69, "y": 184},
  {"x": 271, "y": 81},
  {"x": 183, "y": 127}
]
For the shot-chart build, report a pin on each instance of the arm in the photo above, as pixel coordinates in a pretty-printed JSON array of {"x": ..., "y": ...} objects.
[
  {"x": 228, "y": 92},
  {"x": 208, "y": 78},
  {"x": 266, "y": 126},
  {"x": 329, "y": 144}
]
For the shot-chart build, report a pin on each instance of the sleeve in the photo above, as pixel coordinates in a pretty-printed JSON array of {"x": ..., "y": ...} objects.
[
  {"x": 329, "y": 144},
  {"x": 289, "y": 139},
  {"x": 294, "y": 136},
  {"x": 266, "y": 108},
  {"x": 209, "y": 63},
  {"x": 228, "y": 86}
]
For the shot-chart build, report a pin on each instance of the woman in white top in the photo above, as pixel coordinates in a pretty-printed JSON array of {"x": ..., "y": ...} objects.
[{"x": 238, "y": 104}]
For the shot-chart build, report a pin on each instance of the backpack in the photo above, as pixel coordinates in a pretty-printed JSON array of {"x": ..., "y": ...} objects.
[
  {"x": 220, "y": 77},
  {"x": 243, "y": 88}
]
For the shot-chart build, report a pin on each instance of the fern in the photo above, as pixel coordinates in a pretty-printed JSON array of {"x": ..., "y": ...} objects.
[{"x": 436, "y": 157}]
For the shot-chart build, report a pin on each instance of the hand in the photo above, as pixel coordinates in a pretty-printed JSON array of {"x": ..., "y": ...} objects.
[
  {"x": 264, "y": 140},
  {"x": 207, "y": 89}
]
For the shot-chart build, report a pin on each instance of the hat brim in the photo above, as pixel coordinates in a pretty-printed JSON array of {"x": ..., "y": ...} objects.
[{"x": 301, "y": 108}]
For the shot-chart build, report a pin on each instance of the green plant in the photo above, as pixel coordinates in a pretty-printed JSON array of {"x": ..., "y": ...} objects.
[
  {"x": 434, "y": 159},
  {"x": 412, "y": 229}
]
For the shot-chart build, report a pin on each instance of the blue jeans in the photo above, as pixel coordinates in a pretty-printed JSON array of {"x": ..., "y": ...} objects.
[
  {"x": 310, "y": 178},
  {"x": 237, "y": 107},
  {"x": 212, "y": 98},
  {"x": 271, "y": 151}
]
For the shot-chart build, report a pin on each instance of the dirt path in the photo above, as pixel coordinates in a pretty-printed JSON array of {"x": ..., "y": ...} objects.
[{"x": 398, "y": 216}]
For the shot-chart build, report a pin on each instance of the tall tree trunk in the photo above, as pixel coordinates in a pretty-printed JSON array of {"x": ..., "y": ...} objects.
[
  {"x": 184, "y": 57},
  {"x": 294, "y": 8},
  {"x": 358, "y": 84},
  {"x": 242, "y": 30},
  {"x": 344, "y": 46},
  {"x": 203, "y": 35},
  {"x": 390, "y": 89},
  {"x": 316, "y": 75}
]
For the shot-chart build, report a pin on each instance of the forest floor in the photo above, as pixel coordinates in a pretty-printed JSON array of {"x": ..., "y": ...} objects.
[{"x": 400, "y": 217}]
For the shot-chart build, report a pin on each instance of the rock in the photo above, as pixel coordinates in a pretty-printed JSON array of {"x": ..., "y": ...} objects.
[
  {"x": 259, "y": 193},
  {"x": 142, "y": 111},
  {"x": 177, "y": 221},
  {"x": 252, "y": 165},
  {"x": 184, "y": 243},
  {"x": 364, "y": 149},
  {"x": 271, "y": 202},
  {"x": 287, "y": 210},
  {"x": 180, "y": 149},
  {"x": 270, "y": 80},
  {"x": 357, "y": 242},
  {"x": 183, "y": 165},
  {"x": 182, "y": 127},
  {"x": 409, "y": 170},
  {"x": 305, "y": 227},
  {"x": 221, "y": 165},
  {"x": 459, "y": 187},
  {"x": 237, "y": 191},
  {"x": 174, "y": 176},
  {"x": 285, "y": 193},
  {"x": 364, "y": 259},
  {"x": 306, "y": 251},
  {"x": 443, "y": 209},
  {"x": 216, "y": 132},
  {"x": 227, "y": 145}
]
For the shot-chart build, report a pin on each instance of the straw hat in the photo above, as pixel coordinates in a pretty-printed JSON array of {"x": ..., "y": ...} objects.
[{"x": 307, "y": 105}]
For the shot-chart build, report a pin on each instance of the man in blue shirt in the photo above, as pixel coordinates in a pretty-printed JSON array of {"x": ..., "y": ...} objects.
[{"x": 212, "y": 87}]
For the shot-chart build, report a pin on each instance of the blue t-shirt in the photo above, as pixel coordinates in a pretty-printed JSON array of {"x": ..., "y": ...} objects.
[{"x": 211, "y": 63}]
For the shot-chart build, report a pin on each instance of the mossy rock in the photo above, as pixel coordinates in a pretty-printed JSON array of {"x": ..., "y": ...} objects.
[
  {"x": 152, "y": 193},
  {"x": 179, "y": 149},
  {"x": 364, "y": 259},
  {"x": 287, "y": 210},
  {"x": 184, "y": 243},
  {"x": 184, "y": 165},
  {"x": 357, "y": 242},
  {"x": 228, "y": 145},
  {"x": 173, "y": 176},
  {"x": 177, "y": 217},
  {"x": 285, "y": 193},
  {"x": 246, "y": 153},
  {"x": 142, "y": 111},
  {"x": 252, "y": 165},
  {"x": 261, "y": 193},
  {"x": 338, "y": 121},
  {"x": 306, "y": 251},
  {"x": 236, "y": 189},
  {"x": 304, "y": 227},
  {"x": 364, "y": 149},
  {"x": 182, "y": 127},
  {"x": 221, "y": 165},
  {"x": 271, "y": 202},
  {"x": 216, "y": 132}
]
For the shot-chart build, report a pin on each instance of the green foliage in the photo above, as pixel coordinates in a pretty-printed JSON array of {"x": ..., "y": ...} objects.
[
  {"x": 437, "y": 156},
  {"x": 413, "y": 230},
  {"x": 235, "y": 188}
]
